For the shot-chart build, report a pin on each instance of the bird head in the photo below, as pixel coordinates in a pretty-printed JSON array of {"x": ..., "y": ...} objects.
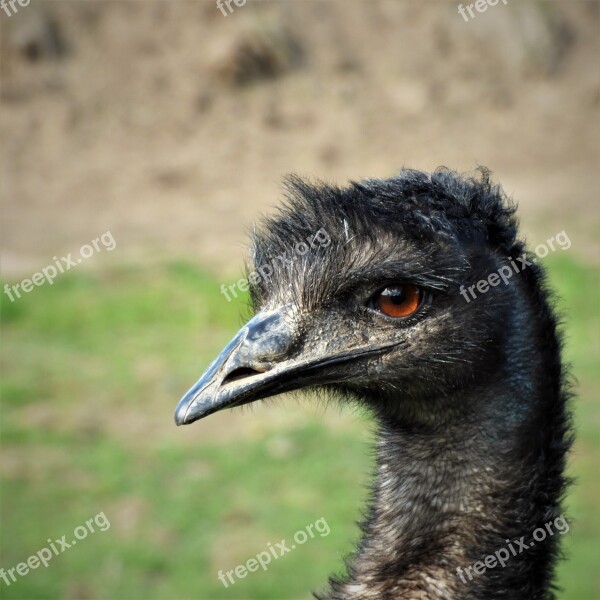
[{"x": 358, "y": 290}]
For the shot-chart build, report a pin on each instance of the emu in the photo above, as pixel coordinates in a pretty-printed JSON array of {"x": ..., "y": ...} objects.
[{"x": 470, "y": 398}]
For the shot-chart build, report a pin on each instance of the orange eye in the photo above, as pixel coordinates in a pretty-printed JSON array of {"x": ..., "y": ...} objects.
[{"x": 398, "y": 300}]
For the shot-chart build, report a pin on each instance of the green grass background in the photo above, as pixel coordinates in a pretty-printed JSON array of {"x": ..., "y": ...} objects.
[{"x": 92, "y": 369}]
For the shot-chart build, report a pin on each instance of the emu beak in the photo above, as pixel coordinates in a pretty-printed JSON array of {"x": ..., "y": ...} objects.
[
  {"x": 264, "y": 359},
  {"x": 243, "y": 371}
]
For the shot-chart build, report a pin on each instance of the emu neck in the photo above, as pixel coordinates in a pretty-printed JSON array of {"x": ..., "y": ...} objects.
[{"x": 447, "y": 495}]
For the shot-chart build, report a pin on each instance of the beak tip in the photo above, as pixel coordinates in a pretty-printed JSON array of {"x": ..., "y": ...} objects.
[{"x": 181, "y": 412}]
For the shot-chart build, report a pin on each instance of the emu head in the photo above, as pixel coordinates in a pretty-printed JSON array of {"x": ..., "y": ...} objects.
[{"x": 361, "y": 290}]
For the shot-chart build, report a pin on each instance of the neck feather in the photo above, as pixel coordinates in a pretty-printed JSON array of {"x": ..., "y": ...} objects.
[{"x": 449, "y": 495}]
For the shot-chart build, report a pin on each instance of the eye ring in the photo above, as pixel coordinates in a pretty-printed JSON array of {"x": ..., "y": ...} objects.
[{"x": 398, "y": 301}]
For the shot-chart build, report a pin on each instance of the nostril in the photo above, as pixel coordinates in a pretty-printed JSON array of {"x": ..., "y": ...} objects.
[{"x": 240, "y": 373}]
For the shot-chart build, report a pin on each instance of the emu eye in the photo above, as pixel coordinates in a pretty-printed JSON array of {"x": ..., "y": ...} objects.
[{"x": 398, "y": 300}]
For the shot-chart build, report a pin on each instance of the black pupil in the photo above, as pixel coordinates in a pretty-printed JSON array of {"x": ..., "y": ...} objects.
[{"x": 396, "y": 295}]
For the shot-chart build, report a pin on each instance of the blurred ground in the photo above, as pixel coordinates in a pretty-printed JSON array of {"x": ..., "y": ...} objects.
[{"x": 173, "y": 125}]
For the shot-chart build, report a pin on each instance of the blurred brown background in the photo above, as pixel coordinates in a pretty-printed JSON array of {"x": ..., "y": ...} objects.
[{"x": 173, "y": 125}]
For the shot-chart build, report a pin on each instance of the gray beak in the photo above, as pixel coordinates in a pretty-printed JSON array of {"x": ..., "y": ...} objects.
[
  {"x": 265, "y": 358},
  {"x": 243, "y": 371}
]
